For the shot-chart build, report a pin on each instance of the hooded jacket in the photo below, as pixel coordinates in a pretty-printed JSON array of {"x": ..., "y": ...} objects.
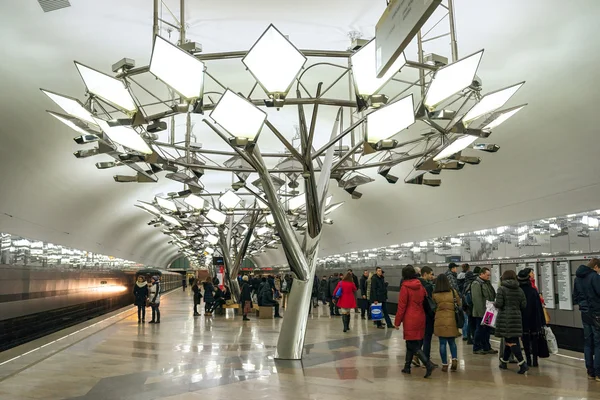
[
  {"x": 410, "y": 309},
  {"x": 510, "y": 302},
  {"x": 461, "y": 279},
  {"x": 140, "y": 291},
  {"x": 445, "y": 320},
  {"x": 533, "y": 315},
  {"x": 586, "y": 292}
]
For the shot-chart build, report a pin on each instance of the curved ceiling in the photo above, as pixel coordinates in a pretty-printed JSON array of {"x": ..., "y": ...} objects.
[{"x": 546, "y": 165}]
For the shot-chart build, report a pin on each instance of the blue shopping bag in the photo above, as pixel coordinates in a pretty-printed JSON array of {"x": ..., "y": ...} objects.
[{"x": 376, "y": 312}]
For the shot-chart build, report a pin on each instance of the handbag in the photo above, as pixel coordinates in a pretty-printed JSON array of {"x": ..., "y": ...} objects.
[
  {"x": 490, "y": 315},
  {"x": 543, "y": 350},
  {"x": 546, "y": 316},
  {"x": 430, "y": 306},
  {"x": 376, "y": 312},
  {"x": 459, "y": 315}
]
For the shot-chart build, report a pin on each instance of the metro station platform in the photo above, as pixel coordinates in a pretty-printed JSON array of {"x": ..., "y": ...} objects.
[{"x": 223, "y": 358}]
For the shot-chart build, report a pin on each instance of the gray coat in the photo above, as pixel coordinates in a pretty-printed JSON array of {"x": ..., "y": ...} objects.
[
  {"x": 510, "y": 302},
  {"x": 480, "y": 292}
]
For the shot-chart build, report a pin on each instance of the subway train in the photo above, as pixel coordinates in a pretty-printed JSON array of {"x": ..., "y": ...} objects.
[
  {"x": 554, "y": 277},
  {"x": 35, "y": 302}
]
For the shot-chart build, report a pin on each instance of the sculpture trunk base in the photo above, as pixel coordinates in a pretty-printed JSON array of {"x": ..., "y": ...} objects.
[{"x": 293, "y": 329}]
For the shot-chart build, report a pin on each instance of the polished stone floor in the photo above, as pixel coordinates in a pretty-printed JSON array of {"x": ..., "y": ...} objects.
[{"x": 223, "y": 358}]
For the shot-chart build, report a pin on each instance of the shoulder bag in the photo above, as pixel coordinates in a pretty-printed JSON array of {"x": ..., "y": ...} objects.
[{"x": 459, "y": 315}]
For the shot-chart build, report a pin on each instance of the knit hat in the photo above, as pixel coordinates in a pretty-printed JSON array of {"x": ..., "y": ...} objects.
[
  {"x": 155, "y": 277},
  {"x": 524, "y": 274}
]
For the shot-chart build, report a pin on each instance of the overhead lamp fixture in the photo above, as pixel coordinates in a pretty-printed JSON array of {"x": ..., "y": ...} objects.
[
  {"x": 86, "y": 153},
  {"x": 469, "y": 160},
  {"x": 109, "y": 89},
  {"x": 452, "y": 165},
  {"x": 166, "y": 204},
  {"x": 216, "y": 216},
  {"x": 364, "y": 70},
  {"x": 487, "y": 147},
  {"x": 418, "y": 178},
  {"x": 212, "y": 239},
  {"x": 274, "y": 62},
  {"x": 84, "y": 139},
  {"x": 385, "y": 172},
  {"x": 491, "y": 102},
  {"x": 242, "y": 119},
  {"x": 69, "y": 105},
  {"x": 74, "y": 123},
  {"x": 333, "y": 207},
  {"x": 230, "y": 200},
  {"x": 177, "y": 68},
  {"x": 458, "y": 144},
  {"x": 499, "y": 117},
  {"x": 149, "y": 207},
  {"x": 106, "y": 164},
  {"x": 125, "y": 136},
  {"x": 195, "y": 202},
  {"x": 352, "y": 180},
  {"x": 451, "y": 79},
  {"x": 387, "y": 121},
  {"x": 139, "y": 178}
]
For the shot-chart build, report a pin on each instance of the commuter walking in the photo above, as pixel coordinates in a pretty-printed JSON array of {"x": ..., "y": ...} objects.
[
  {"x": 533, "y": 319},
  {"x": 245, "y": 298},
  {"x": 364, "y": 296},
  {"x": 412, "y": 314},
  {"x": 209, "y": 293},
  {"x": 452, "y": 275},
  {"x": 379, "y": 296},
  {"x": 586, "y": 294},
  {"x": 154, "y": 295},
  {"x": 332, "y": 284},
  {"x": 448, "y": 301},
  {"x": 347, "y": 299},
  {"x": 427, "y": 278},
  {"x": 482, "y": 291},
  {"x": 140, "y": 291},
  {"x": 197, "y": 297},
  {"x": 510, "y": 302},
  {"x": 323, "y": 289}
]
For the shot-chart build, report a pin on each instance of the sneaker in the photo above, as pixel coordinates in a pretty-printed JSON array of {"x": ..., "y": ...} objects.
[
  {"x": 479, "y": 352},
  {"x": 491, "y": 351},
  {"x": 524, "y": 368},
  {"x": 381, "y": 327}
]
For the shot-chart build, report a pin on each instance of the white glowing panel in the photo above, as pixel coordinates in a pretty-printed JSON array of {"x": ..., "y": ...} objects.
[
  {"x": 333, "y": 207},
  {"x": 296, "y": 202},
  {"x": 270, "y": 220},
  {"x": 274, "y": 61},
  {"x": 451, "y": 79},
  {"x": 150, "y": 208},
  {"x": 110, "y": 89},
  {"x": 458, "y": 145},
  {"x": 503, "y": 116},
  {"x": 70, "y": 106},
  {"x": 125, "y": 136},
  {"x": 212, "y": 239},
  {"x": 491, "y": 102},
  {"x": 238, "y": 116},
  {"x": 391, "y": 119},
  {"x": 177, "y": 68},
  {"x": 364, "y": 70},
  {"x": 170, "y": 220},
  {"x": 195, "y": 201},
  {"x": 69, "y": 123},
  {"x": 216, "y": 216},
  {"x": 230, "y": 200},
  {"x": 166, "y": 204}
]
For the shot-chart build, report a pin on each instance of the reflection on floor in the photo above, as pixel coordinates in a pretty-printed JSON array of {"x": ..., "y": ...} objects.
[{"x": 223, "y": 358}]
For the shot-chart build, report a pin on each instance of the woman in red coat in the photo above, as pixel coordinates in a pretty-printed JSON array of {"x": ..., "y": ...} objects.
[
  {"x": 346, "y": 300},
  {"x": 412, "y": 314}
]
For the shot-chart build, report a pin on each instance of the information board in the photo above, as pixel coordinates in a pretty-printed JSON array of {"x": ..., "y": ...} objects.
[
  {"x": 495, "y": 276},
  {"x": 547, "y": 284},
  {"x": 563, "y": 274},
  {"x": 397, "y": 27}
]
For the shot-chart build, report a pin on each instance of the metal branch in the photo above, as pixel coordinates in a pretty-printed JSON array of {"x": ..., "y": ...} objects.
[{"x": 284, "y": 141}]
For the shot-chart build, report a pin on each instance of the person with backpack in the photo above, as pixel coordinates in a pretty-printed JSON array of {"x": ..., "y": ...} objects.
[
  {"x": 446, "y": 299},
  {"x": 481, "y": 291},
  {"x": 586, "y": 294}
]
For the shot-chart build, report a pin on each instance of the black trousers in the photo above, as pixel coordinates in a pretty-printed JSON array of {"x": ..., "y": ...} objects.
[
  {"x": 156, "y": 312},
  {"x": 208, "y": 306},
  {"x": 216, "y": 304},
  {"x": 530, "y": 345},
  {"x": 412, "y": 348},
  {"x": 388, "y": 321},
  {"x": 514, "y": 350},
  {"x": 141, "y": 313},
  {"x": 365, "y": 308}
]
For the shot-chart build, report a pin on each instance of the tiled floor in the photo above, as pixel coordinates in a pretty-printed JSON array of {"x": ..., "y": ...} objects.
[{"x": 223, "y": 358}]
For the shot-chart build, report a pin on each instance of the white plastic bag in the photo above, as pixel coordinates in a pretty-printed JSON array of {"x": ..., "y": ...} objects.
[
  {"x": 490, "y": 315},
  {"x": 551, "y": 340}
]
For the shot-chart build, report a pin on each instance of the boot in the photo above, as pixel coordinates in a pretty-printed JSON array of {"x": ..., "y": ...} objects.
[
  {"x": 428, "y": 364},
  {"x": 523, "y": 367},
  {"x": 454, "y": 366},
  {"x": 347, "y": 324},
  {"x": 406, "y": 369},
  {"x": 503, "y": 364},
  {"x": 415, "y": 361},
  {"x": 535, "y": 362},
  {"x": 344, "y": 323},
  {"x": 444, "y": 367}
]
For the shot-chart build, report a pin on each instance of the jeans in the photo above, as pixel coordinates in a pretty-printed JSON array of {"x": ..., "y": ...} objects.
[
  {"x": 141, "y": 313},
  {"x": 429, "y": 322},
  {"x": 481, "y": 341},
  {"x": 443, "y": 351},
  {"x": 591, "y": 346},
  {"x": 388, "y": 321},
  {"x": 465, "y": 328},
  {"x": 155, "y": 312}
]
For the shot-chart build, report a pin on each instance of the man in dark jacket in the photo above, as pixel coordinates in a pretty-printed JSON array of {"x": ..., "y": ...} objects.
[
  {"x": 245, "y": 298},
  {"x": 323, "y": 289},
  {"x": 426, "y": 279},
  {"x": 452, "y": 275},
  {"x": 264, "y": 285},
  {"x": 379, "y": 296},
  {"x": 364, "y": 299},
  {"x": 469, "y": 333},
  {"x": 333, "y": 281},
  {"x": 268, "y": 301},
  {"x": 586, "y": 294},
  {"x": 482, "y": 290}
]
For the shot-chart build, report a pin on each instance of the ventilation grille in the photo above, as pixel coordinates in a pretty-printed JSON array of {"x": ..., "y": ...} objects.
[{"x": 53, "y": 5}]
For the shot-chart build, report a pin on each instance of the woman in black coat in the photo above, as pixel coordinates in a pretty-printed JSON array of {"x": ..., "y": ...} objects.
[
  {"x": 197, "y": 297},
  {"x": 140, "y": 291},
  {"x": 532, "y": 317},
  {"x": 246, "y": 298},
  {"x": 209, "y": 293}
]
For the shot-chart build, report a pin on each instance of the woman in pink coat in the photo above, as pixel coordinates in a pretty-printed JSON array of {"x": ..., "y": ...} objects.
[{"x": 346, "y": 301}]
